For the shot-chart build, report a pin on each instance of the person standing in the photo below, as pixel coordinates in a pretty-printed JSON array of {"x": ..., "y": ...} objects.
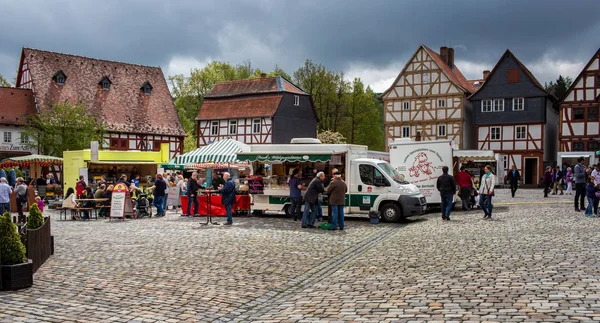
[
  {"x": 569, "y": 180},
  {"x": 228, "y": 196},
  {"x": 590, "y": 192},
  {"x": 216, "y": 180},
  {"x": 514, "y": 177},
  {"x": 192, "y": 195},
  {"x": 21, "y": 190},
  {"x": 558, "y": 181},
  {"x": 295, "y": 194},
  {"x": 336, "y": 192},
  {"x": 5, "y": 192},
  {"x": 465, "y": 182},
  {"x": 160, "y": 186},
  {"x": 547, "y": 181},
  {"x": 486, "y": 192},
  {"x": 311, "y": 200},
  {"x": 80, "y": 186},
  {"x": 447, "y": 188},
  {"x": 579, "y": 175}
]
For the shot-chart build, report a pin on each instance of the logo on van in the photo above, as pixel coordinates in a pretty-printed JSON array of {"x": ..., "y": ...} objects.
[{"x": 421, "y": 165}]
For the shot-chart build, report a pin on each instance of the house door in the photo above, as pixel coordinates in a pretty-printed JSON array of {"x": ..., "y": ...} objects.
[{"x": 531, "y": 171}]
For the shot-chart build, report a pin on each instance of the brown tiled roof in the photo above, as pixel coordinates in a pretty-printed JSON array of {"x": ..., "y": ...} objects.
[
  {"x": 15, "y": 105},
  {"x": 453, "y": 73},
  {"x": 476, "y": 84},
  {"x": 248, "y": 107},
  {"x": 123, "y": 108},
  {"x": 261, "y": 85}
]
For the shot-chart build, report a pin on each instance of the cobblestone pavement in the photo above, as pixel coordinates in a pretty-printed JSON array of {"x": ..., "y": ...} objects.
[{"x": 535, "y": 261}]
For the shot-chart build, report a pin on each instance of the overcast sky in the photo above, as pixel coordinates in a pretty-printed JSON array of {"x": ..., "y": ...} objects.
[{"x": 368, "y": 39}]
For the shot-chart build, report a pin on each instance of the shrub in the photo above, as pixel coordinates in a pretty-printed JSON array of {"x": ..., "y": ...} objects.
[
  {"x": 35, "y": 219},
  {"x": 12, "y": 249}
]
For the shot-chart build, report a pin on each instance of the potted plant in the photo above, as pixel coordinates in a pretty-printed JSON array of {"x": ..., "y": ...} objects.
[{"x": 17, "y": 270}]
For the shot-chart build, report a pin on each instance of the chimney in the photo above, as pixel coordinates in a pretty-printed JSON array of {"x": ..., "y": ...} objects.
[
  {"x": 447, "y": 55},
  {"x": 263, "y": 75},
  {"x": 486, "y": 73}
]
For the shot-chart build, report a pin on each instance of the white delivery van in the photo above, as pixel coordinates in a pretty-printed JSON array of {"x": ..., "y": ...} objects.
[
  {"x": 372, "y": 183},
  {"x": 421, "y": 162}
]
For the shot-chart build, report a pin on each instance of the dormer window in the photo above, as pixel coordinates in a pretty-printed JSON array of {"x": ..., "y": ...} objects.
[
  {"x": 105, "y": 83},
  {"x": 60, "y": 77},
  {"x": 146, "y": 88}
]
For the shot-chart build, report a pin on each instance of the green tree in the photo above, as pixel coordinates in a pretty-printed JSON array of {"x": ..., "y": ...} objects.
[
  {"x": 560, "y": 87},
  {"x": 330, "y": 137},
  {"x": 189, "y": 143},
  {"x": 4, "y": 82},
  {"x": 63, "y": 127}
]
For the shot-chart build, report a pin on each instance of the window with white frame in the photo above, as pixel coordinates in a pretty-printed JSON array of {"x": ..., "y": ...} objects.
[
  {"x": 486, "y": 106},
  {"x": 521, "y": 132},
  {"x": 7, "y": 137},
  {"x": 256, "y": 126},
  {"x": 442, "y": 130},
  {"x": 498, "y": 105},
  {"x": 495, "y": 133},
  {"x": 441, "y": 103},
  {"x": 232, "y": 127},
  {"x": 214, "y": 128},
  {"x": 405, "y": 132},
  {"x": 518, "y": 104},
  {"x": 426, "y": 78},
  {"x": 24, "y": 138},
  {"x": 406, "y": 105},
  {"x": 296, "y": 100}
]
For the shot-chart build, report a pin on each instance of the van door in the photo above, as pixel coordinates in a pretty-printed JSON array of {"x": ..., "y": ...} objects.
[{"x": 368, "y": 183}]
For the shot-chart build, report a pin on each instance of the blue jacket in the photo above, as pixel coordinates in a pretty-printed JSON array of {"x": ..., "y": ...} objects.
[
  {"x": 591, "y": 190},
  {"x": 294, "y": 190},
  {"x": 228, "y": 193}
]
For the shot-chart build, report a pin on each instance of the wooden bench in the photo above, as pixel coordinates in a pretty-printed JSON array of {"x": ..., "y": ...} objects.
[
  {"x": 76, "y": 211},
  {"x": 103, "y": 207}
]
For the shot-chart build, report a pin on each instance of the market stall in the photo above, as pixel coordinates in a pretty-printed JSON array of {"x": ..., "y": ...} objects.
[
  {"x": 37, "y": 164},
  {"x": 218, "y": 157},
  {"x": 475, "y": 161}
]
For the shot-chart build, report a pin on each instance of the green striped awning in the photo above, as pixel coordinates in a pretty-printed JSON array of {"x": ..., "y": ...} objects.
[{"x": 223, "y": 151}]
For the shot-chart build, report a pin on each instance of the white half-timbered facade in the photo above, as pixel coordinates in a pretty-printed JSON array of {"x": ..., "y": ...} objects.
[
  {"x": 247, "y": 130},
  {"x": 579, "y": 121},
  {"x": 428, "y": 100}
]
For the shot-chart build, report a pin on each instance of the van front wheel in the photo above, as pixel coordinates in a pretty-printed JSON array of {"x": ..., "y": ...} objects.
[{"x": 391, "y": 213}]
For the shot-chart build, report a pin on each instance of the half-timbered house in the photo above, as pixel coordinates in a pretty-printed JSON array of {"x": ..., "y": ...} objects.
[
  {"x": 428, "y": 100},
  {"x": 265, "y": 110},
  {"x": 579, "y": 122},
  {"x": 16, "y": 105},
  {"x": 132, "y": 101},
  {"x": 515, "y": 117}
]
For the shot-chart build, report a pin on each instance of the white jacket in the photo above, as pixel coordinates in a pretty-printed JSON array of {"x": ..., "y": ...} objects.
[{"x": 487, "y": 184}]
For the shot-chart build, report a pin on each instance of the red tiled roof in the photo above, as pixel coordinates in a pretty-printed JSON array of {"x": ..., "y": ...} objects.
[
  {"x": 476, "y": 84},
  {"x": 15, "y": 105},
  {"x": 261, "y": 85},
  {"x": 123, "y": 108},
  {"x": 248, "y": 107},
  {"x": 453, "y": 73}
]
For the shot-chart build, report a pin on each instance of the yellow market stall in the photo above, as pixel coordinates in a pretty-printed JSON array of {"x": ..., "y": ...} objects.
[{"x": 113, "y": 162}]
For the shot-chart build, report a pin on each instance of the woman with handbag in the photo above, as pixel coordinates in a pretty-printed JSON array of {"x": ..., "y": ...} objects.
[
  {"x": 486, "y": 192},
  {"x": 592, "y": 195}
]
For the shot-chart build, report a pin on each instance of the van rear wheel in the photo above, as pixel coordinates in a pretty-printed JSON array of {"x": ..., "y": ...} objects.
[{"x": 391, "y": 213}]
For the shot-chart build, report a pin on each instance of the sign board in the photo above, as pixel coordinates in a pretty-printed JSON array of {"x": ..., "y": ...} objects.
[
  {"x": 117, "y": 203},
  {"x": 173, "y": 197},
  {"x": 256, "y": 186},
  {"x": 94, "y": 145}
]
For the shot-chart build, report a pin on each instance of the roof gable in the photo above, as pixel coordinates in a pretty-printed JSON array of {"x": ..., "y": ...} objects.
[
  {"x": 580, "y": 76},
  {"x": 453, "y": 74},
  {"x": 122, "y": 109},
  {"x": 241, "y": 107},
  {"x": 263, "y": 85},
  {"x": 499, "y": 79},
  {"x": 15, "y": 105}
]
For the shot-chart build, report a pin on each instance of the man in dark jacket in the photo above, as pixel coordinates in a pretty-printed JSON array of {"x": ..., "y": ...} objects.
[
  {"x": 514, "y": 177},
  {"x": 295, "y": 194},
  {"x": 336, "y": 191},
  {"x": 160, "y": 186},
  {"x": 547, "y": 180},
  {"x": 311, "y": 201},
  {"x": 580, "y": 178},
  {"x": 191, "y": 192},
  {"x": 445, "y": 184},
  {"x": 228, "y": 196}
]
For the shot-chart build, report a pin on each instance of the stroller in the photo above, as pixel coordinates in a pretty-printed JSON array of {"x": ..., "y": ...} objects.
[{"x": 142, "y": 206}]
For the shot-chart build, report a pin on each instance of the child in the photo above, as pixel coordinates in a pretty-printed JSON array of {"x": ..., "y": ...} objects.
[
  {"x": 590, "y": 191},
  {"x": 40, "y": 203},
  {"x": 569, "y": 179}
]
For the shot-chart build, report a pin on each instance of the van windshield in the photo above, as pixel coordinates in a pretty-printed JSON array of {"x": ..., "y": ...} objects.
[{"x": 394, "y": 174}]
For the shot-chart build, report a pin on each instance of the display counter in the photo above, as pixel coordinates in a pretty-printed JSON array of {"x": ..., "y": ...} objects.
[{"x": 242, "y": 204}]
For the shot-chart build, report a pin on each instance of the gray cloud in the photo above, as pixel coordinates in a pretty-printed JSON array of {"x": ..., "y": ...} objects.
[{"x": 377, "y": 35}]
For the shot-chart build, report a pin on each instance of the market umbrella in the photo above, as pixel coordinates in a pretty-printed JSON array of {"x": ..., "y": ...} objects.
[
  {"x": 223, "y": 151},
  {"x": 26, "y": 161}
]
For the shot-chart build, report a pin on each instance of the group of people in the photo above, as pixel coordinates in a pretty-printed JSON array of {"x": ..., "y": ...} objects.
[
  {"x": 224, "y": 185},
  {"x": 446, "y": 185},
  {"x": 335, "y": 189},
  {"x": 21, "y": 192},
  {"x": 587, "y": 187}
]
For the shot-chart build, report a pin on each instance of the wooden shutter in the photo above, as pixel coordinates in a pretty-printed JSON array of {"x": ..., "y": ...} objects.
[{"x": 514, "y": 75}]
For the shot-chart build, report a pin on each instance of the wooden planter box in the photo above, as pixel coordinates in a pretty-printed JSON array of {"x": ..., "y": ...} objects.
[
  {"x": 40, "y": 244},
  {"x": 17, "y": 276}
]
